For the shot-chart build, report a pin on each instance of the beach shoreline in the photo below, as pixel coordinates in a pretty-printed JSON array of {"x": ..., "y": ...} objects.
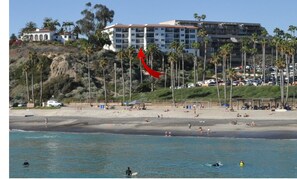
[{"x": 159, "y": 120}]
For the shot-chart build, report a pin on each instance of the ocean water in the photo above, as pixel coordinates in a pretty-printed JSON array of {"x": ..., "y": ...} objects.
[{"x": 77, "y": 155}]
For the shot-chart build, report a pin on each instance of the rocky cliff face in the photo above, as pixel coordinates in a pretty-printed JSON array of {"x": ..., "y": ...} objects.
[
  {"x": 60, "y": 66},
  {"x": 62, "y": 62}
]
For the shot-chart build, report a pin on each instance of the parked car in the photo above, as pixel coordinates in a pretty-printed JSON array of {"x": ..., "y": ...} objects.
[
  {"x": 53, "y": 103},
  {"x": 22, "y": 104}
]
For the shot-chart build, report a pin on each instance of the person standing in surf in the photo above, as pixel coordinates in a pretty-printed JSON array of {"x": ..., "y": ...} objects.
[{"x": 128, "y": 172}]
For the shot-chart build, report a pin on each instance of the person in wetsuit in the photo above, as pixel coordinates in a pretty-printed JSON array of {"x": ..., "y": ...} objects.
[
  {"x": 26, "y": 163},
  {"x": 128, "y": 172},
  {"x": 215, "y": 165}
]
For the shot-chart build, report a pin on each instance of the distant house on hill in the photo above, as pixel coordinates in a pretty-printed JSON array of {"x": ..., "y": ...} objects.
[{"x": 47, "y": 35}]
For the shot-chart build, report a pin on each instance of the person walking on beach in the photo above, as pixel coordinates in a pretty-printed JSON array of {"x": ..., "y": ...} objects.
[
  {"x": 45, "y": 121},
  {"x": 128, "y": 172}
]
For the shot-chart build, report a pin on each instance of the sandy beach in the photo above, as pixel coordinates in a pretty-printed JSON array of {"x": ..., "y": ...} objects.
[{"x": 160, "y": 120}]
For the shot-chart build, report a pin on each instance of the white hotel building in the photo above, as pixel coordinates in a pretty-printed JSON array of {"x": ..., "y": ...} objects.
[{"x": 123, "y": 36}]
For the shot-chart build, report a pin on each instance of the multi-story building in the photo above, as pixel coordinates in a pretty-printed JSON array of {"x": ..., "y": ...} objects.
[
  {"x": 123, "y": 36},
  {"x": 222, "y": 32},
  {"x": 183, "y": 31}
]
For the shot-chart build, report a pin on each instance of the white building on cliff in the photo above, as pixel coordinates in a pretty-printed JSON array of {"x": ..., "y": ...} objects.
[{"x": 47, "y": 35}]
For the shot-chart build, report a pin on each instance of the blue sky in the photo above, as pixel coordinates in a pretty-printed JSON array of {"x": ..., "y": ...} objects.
[{"x": 270, "y": 13}]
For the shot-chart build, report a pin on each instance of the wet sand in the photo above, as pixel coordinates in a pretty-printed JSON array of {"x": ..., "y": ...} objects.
[{"x": 156, "y": 120}]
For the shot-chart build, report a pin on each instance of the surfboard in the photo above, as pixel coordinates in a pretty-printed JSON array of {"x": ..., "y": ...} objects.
[{"x": 134, "y": 173}]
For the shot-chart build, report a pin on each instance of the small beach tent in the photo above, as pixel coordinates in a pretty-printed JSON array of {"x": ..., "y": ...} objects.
[{"x": 135, "y": 102}]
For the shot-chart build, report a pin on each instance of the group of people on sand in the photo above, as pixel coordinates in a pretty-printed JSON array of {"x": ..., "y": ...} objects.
[
  {"x": 244, "y": 115},
  {"x": 167, "y": 133},
  {"x": 252, "y": 124}
]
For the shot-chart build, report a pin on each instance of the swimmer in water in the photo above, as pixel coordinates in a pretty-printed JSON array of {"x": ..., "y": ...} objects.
[
  {"x": 26, "y": 163},
  {"x": 215, "y": 164},
  {"x": 241, "y": 163}
]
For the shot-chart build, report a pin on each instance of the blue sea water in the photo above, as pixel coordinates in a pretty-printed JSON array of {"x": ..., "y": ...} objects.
[{"x": 83, "y": 155}]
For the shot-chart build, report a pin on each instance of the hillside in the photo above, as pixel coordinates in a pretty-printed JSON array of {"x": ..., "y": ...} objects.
[
  {"x": 65, "y": 77},
  {"x": 64, "y": 74}
]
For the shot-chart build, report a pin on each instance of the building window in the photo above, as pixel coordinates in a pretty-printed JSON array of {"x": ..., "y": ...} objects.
[
  {"x": 40, "y": 37},
  {"x": 118, "y": 30},
  {"x": 162, "y": 34},
  {"x": 45, "y": 37},
  {"x": 162, "y": 40},
  {"x": 132, "y": 34},
  {"x": 156, "y": 28},
  {"x": 156, "y": 40},
  {"x": 192, "y": 31},
  {"x": 70, "y": 36},
  {"x": 36, "y": 37},
  {"x": 118, "y": 41},
  {"x": 118, "y": 35}
]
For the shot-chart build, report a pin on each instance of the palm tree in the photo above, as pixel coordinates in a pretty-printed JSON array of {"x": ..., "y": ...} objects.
[
  {"x": 231, "y": 47},
  {"x": 32, "y": 59},
  {"x": 215, "y": 59},
  {"x": 50, "y": 24},
  {"x": 174, "y": 46},
  {"x": 278, "y": 33},
  {"x": 196, "y": 47},
  {"x": 103, "y": 63},
  {"x": 203, "y": 34},
  {"x": 181, "y": 51},
  {"x": 281, "y": 65},
  {"x": 131, "y": 55},
  {"x": 120, "y": 56},
  {"x": 292, "y": 29},
  {"x": 152, "y": 50},
  {"x": 263, "y": 43},
  {"x": 26, "y": 68},
  {"x": 203, "y": 17},
  {"x": 253, "y": 52},
  {"x": 290, "y": 53},
  {"x": 198, "y": 18},
  {"x": 172, "y": 58},
  {"x": 67, "y": 26},
  {"x": 244, "y": 50},
  {"x": 224, "y": 51},
  {"x": 254, "y": 39},
  {"x": 40, "y": 68},
  {"x": 30, "y": 26},
  {"x": 76, "y": 31},
  {"x": 232, "y": 76},
  {"x": 87, "y": 49}
]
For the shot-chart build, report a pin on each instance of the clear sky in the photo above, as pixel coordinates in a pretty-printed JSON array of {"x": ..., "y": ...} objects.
[{"x": 269, "y": 13}]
